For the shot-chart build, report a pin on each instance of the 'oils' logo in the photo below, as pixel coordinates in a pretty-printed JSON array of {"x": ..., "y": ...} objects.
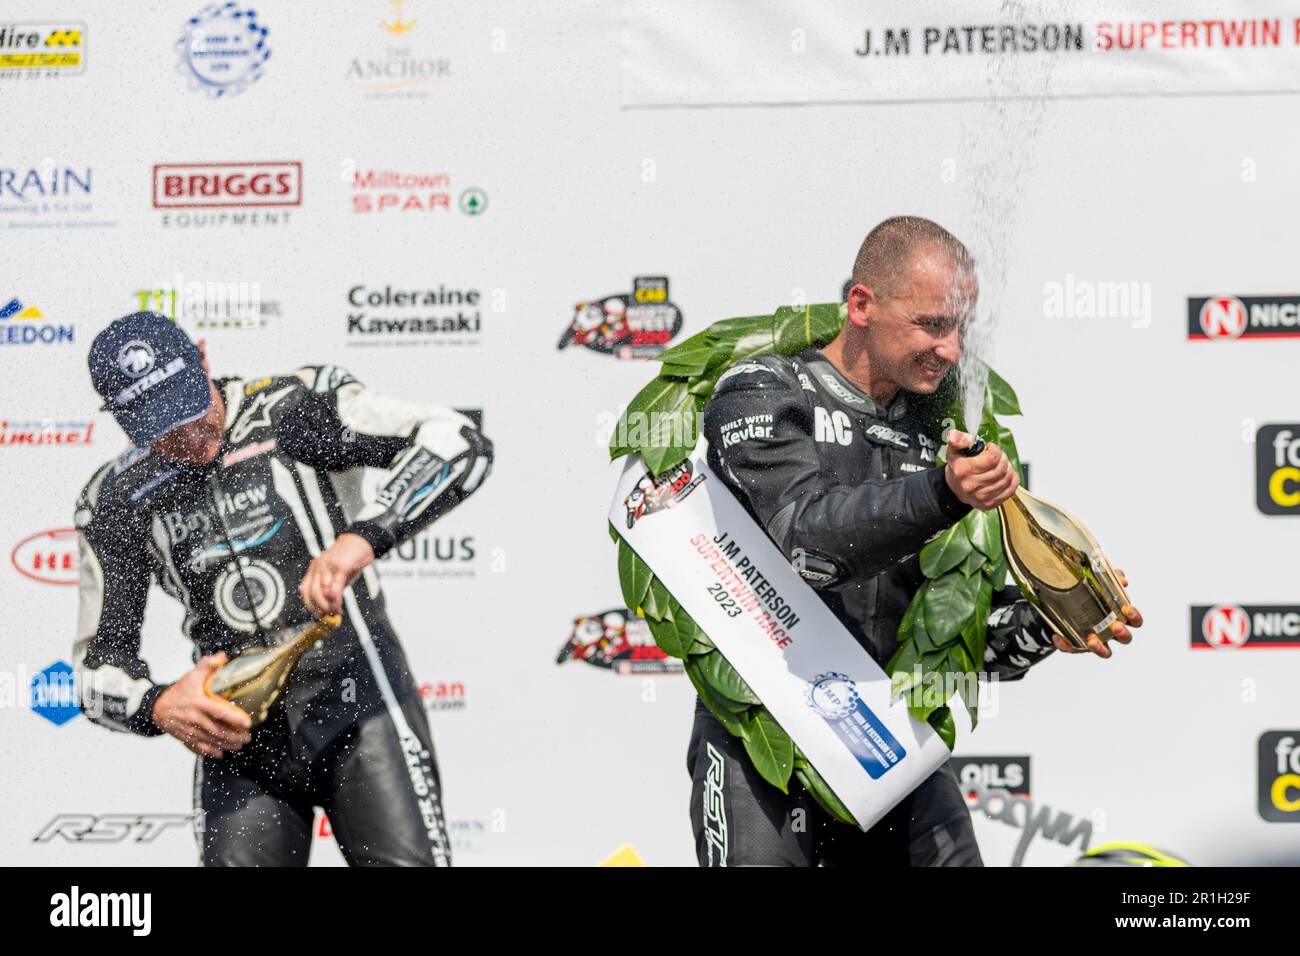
[
  {"x": 1277, "y": 469},
  {"x": 1279, "y": 776}
]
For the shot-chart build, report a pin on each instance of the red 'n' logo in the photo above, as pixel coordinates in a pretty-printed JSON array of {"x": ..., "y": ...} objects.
[
  {"x": 1223, "y": 317},
  {"x": 1226, "y": 626}
]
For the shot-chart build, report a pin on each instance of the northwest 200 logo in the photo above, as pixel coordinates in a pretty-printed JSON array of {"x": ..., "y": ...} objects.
[
  {"x": 619, "y": 641},
  {"x": 1224, "y": 317},
  {"x": 628, "y": 325},
  {"x": 1247, "y": 626},
  {"x": 659, "y": 494}
]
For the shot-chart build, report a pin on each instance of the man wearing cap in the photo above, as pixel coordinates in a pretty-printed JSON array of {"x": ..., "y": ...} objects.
[{"x": 242, "y": 498}]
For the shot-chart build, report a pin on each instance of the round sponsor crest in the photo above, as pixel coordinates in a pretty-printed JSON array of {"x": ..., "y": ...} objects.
[
  {"x": 223, "y": 49},
  {"x": 834, "y": 696}
]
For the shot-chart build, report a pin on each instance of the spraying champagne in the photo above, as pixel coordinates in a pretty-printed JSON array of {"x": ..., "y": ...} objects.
[
  {"x": 1059, "y": 566},
  {"x": 254, "y": 680}
]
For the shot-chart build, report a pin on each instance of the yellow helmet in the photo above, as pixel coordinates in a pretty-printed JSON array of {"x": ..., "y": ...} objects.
[{"x": 1128, "y": 854}]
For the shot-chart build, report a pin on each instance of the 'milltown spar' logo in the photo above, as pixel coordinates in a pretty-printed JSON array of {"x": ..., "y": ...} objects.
[
  {"x": 1243, "y": 317},
  {"x": 1228, "y": 626}
]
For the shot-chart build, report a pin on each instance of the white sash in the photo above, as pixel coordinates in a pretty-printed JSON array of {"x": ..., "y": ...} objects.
[{"x": 816, "y": 680}]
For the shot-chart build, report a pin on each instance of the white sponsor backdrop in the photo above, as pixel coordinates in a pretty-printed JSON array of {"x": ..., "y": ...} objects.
[{"x": 1143, "y": 434}]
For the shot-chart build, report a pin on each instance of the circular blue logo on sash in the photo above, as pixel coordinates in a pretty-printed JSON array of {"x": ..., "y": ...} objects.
[{"x": 834, "y": 696}]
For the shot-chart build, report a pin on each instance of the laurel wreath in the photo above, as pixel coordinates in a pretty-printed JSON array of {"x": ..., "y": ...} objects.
[{"x": 942, "y": 633}]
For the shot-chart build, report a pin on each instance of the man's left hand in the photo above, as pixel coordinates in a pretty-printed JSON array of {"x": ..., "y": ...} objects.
[
  {"x": 1118, "y": 630},
  {"x": 333, "y": 570}
]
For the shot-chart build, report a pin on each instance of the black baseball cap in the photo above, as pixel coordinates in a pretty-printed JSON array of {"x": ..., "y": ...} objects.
[{"x": 150, "y": 376}]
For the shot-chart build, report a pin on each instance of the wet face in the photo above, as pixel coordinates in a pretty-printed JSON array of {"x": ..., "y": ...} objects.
[
  {"x": 914, "y": 336},
  {"x": 198, "y": 442}
]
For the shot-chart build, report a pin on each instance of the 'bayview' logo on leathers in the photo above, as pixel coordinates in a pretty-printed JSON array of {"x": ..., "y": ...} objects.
[{"x": 75, "y": 909}]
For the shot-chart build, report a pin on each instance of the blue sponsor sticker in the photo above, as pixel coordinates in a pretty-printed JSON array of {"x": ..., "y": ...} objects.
[
  {"x": 54, "y": 693},
  {"x": 836, "y": 700}
]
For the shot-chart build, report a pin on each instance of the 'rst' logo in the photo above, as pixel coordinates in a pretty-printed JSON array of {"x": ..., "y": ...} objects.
[
  {"x": 1277, "y": 469},
  {"x": 1279, "y": 776},
  {"x": 1243, "y": 317},
  {"x": 1250, "y": 626}
]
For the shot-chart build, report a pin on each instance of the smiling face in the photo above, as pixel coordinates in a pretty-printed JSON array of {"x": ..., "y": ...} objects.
[{"x": 913, "y": 335}]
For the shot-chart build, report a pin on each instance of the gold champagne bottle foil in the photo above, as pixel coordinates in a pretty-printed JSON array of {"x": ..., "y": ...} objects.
[
  {"x": 254, "y": 680},
  {"x": 1060, "y": 568}
]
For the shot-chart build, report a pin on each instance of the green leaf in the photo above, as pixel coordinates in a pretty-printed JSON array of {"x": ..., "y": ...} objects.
[
  {"x": 728, "y": 717},
  {"x": 794, "y": 330},
  {"x": 949, "y": 602},
  {"x": 1005, "y": 401},
  {"x": 676, "y": 633},
  {"x": 985, "y": 529},
  {"x": 941, "y": 720},
  {"x": 655, "y": 603},
  {"x": 902, "y": 669},
  {"x": 613, "y": 532},
  {"x": 969, "y": 692},
  {"x": 946, "y": 551},
  {"x": 907, "y": 625},
  {"x": 692, "y": 352},
  {"x": 671, "y": 370},
  {"x": 920, "y": 630},
  {"x": 702, "y": 387},
  {"x": 634, "y": 575},
  {"x": 756, "y": 341},
  {"x": 658, "y": 423},
  {"x": 973, "y": 564},
  {"x": 769, "y": 747},
  {"x": 723, "y": 678},
  {"x": 671, "y": 430},
  {"x": 821, "y": 792},
  {"x": 975, "y": 630}
]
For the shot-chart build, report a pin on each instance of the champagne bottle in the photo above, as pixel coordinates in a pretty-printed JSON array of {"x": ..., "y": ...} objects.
[
  {"x": 254, "y": 680},
  {"x": 1059, "y": 566}
]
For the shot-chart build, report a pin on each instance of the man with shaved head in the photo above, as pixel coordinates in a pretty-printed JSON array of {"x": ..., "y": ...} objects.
[{"x": 830, "y": 453}]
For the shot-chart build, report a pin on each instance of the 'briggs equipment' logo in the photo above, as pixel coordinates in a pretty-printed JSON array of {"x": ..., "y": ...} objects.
[
  {"x": 1247, "y": 626},
  {"x": 1243, "y": 317},
  {"x": 659, "y": 494},
  {"x": 635, "y": 326},
  {"x": 1277, "y": 469},
  {"x": 198, "y": 185}
]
